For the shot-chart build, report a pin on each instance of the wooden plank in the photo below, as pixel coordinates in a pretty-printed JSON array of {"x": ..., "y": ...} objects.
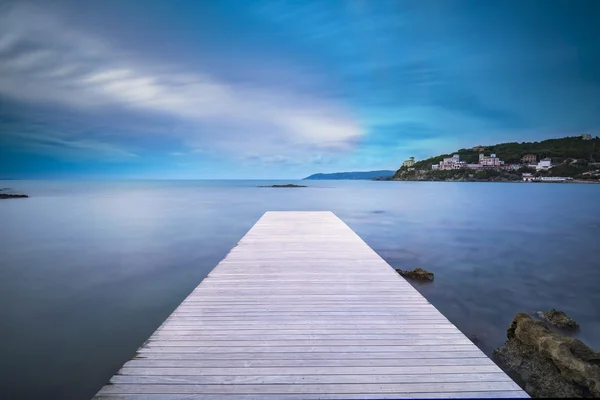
[
  {"x": 255, "y": 354},
  {"x": 385, "y": 362},
  {"x": 305, "y": 307},
  {"x": 312, "y": 389},
  {"x": 394, "y": 323},
  {"x": 308, "y": 328},
  {"x": 312, "y": 370},
  {"x": 342, "y": 396},
  {"x": 306, "y": 379},
  {"x": 302, "y": 308},
  {"x": 512, "y": 394},
  {"x": 297, "y": 342},
  {"x": 309, "y": 336},
  {"x": 290, "y": 320},
  {"x": 267, "y": 332},
  {"x": 199, "y": 314},
  {"x": 307, "y": 349}
]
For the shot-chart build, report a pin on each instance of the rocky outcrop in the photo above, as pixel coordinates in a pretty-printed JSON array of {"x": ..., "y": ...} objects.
[
  {"x": 558, "y": 319},
  {"x": 551, "y": 364},
  {"x": 417, "y": 274},
  {"x": 12, "y": 196},
  {"x": 289, "y": 185}
]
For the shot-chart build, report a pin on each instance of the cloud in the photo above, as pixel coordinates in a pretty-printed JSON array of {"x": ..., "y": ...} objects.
[
  {"x": 277, "y": 159},
  {"x": 68, "y": 149},
  {"x": 44, "y": 62}
]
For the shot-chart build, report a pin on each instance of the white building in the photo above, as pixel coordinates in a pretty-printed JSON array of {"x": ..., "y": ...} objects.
[
  {"x": 452, "y": 163},
  {"x": 586, "y": 136},
  {"x": 544, "y": 164},
  {"x": 527, "y": 177},
  {"x": 491, "y": 161}
]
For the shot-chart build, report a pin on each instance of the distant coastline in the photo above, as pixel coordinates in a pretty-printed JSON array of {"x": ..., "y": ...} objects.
[{"x": 356, "y": 175}]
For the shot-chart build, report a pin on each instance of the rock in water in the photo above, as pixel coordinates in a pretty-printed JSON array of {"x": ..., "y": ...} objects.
[
  {"x": 417, "y": 274},
  {"x": 12, "y": 196},
  {"x": 551, "y": 364},
  {"x": 289, "y": 185},
  {"x": 558, "y": 319}
]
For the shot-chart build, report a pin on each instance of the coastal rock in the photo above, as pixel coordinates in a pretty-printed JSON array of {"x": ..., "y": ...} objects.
[
  {"x": 558, "y": 319},
  {"x": 12, "y": 196},
  {"x": 417, "y": 274},
  {"x": 551, "y": 364},
  {"x": 289, "y": 185}
]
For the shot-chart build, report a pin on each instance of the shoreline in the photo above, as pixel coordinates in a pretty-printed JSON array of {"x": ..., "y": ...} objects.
[{"x": 490, "y": 181}]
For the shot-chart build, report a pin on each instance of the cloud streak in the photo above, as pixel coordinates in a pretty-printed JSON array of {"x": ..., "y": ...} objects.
[{"x": 42, "y": 62}]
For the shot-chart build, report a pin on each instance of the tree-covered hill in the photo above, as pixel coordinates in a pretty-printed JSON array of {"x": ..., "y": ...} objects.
[{"x": 574, "y": 147}]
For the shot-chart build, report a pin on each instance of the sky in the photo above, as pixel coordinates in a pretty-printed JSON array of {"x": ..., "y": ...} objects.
[{"x": 232, "y": 89}]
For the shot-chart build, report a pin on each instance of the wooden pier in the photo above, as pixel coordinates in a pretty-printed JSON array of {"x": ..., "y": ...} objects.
[{"x": 303, "y": 308}]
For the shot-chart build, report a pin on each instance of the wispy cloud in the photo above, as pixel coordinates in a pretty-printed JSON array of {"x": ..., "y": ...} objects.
[
  {"x": 44, "y": 62},
  {"x": 67, "y": 149}
]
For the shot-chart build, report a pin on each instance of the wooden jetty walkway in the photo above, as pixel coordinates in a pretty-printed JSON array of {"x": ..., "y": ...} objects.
[{"x": 303, "y": 308}]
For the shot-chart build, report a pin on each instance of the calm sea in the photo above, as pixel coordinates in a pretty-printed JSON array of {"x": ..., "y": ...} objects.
[{"x": 88, "y": 270}]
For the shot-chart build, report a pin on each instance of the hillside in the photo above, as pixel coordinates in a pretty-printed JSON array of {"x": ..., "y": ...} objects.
[
  {"x": 558, "y": 149},
  {"x": 351, "y": 175}
]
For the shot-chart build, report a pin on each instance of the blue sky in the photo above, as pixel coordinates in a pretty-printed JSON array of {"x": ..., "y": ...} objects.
[{"x": 283, "y": 89}]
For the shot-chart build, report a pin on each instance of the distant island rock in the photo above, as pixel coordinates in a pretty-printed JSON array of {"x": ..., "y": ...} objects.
[
  {"x": 12, "y": 196},
  {"x": 359, "y": 175},
  {"x": 289, "y": 185}
]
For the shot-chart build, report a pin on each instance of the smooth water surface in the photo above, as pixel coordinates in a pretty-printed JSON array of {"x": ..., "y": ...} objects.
[{"x": 88, "y": 270}]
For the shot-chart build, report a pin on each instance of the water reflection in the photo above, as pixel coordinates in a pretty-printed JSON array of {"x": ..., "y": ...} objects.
[{"x": 90, "y": 269}]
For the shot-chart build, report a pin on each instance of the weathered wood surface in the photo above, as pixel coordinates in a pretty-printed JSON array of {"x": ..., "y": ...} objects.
[{"x": 302, "y": 308}]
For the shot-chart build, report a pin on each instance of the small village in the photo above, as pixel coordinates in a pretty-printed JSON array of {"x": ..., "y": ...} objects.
[{"x": 529, "y": 166}]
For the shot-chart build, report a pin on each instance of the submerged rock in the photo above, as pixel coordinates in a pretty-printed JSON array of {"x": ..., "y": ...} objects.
[
  {"x": 551, "y": 364},
  {"x": 417, "y": 274},
  {"x": 12, "y": 196},
  {"x": 558, "y": 319}
]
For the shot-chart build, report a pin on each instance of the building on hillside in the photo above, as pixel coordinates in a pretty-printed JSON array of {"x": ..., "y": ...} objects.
[
  {"x": 408, "y": 163},
  {"x": 452, "y": 163},
  {"x": 435, "y": 167},
  {"x": 478, "y": 148},
  {"x": 586, "y": 136},
  {"x": 527, "y": 177},
  {"x": 474, "y": 166},
  {"x": 544, "y": 164},
  {"x": 529, "y": 158},
  {"x": 490, "y": 161}
]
